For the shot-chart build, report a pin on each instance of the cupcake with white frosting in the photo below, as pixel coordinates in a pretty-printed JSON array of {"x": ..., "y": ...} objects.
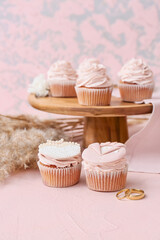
[
  {"x": 93, "y": 86},
  {"x": 136, "y": 81},
  {"x": 61, "y": 79},
  {"x": 59, "y": 163},
  {"x": 105, "y": 166}
]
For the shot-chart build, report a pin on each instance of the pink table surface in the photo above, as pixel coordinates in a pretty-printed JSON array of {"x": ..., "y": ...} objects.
[{"x": 29, "y": 210}]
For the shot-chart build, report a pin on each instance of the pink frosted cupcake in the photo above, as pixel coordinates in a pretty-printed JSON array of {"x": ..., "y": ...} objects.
[
  {"x": 93, "y": 86},
  {"x": 59, "y": 163},
  {"x": 61, "y": 79},
  {"x": 105, "y": 166},
  {"x": 136, "y": 81}
]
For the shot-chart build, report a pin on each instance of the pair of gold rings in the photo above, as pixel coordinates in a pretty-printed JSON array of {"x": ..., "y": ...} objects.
[{"x": 132, "y": 194}]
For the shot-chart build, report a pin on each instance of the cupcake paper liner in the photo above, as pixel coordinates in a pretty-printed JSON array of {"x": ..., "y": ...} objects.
[
  {"x": 106, "y": 181},
  {"x": 135, "y": 93},
  {"x": 60, "y": 177},
  {"x": 94, "y": 97},
  {"x": 62, "y": 90}
]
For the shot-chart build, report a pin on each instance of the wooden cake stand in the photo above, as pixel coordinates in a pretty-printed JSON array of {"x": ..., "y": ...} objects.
[{"x": 101, "y": 124}]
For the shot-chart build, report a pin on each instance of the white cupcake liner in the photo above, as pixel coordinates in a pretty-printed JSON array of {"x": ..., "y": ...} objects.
[
  {"x": 106, "y": 181},
  {"x": 135, "y": 93},
  {"x": 62, "y": 89},
  {"x": 94, "y": 97},
  {"x": 60, "y": 177}
]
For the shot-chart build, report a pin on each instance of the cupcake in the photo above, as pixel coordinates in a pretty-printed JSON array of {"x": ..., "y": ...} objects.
[
  {"x": 93, "y": 86},
  {"x": 59, "y": 163},
  {"x": 136, "y": 81},
  {"x": 105, "y": 166},
  {"x": 61, "y": 79}
]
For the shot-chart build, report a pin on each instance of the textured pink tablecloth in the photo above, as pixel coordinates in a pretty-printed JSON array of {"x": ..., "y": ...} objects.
[{"x": 29, "y": 210}]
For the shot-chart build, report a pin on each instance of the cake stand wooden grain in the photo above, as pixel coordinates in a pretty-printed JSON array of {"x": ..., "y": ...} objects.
[{"x": 101, "y": 123}]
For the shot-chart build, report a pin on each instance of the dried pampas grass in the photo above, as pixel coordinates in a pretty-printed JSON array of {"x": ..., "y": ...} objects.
[{"x": 21, "y": 135}]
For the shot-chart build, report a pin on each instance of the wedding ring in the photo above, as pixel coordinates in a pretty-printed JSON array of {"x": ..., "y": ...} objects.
[
  {"x": 126, "y": 192},
  {"x": 135, "y": 194}
]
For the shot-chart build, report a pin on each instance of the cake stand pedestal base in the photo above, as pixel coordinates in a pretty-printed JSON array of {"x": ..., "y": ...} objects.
[{"x": 102, "y": 129}]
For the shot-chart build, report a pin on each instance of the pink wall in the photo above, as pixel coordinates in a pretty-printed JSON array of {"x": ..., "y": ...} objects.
[{"x": 33, "y": 34}]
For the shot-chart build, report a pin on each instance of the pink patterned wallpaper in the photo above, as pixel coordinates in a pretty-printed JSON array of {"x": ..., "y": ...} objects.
[{"x": 33, "y": 34}]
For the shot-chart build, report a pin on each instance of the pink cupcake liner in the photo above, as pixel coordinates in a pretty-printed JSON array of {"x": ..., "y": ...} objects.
[
  {"x": 60, "y": 177},
  {"x": 62, "y": 90},
  {"x": 135, "y": 93},
  {"x": 106, "y": 181},
  {"x": 94, "y": 97}
]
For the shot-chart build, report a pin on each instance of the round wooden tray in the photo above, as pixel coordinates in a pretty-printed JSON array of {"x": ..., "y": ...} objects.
[
  {"x": 102, "y": 123},
  {"x": 70, "y": 106}
]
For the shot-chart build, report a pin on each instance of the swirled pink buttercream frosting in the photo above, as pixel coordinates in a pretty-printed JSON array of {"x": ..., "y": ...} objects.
[
  {"x": 92, "y": 74},
  {"x": 61, "y": 71},
  {"x": 59, "y": 153},
  {"x": 136, "y": 71},
  {"x": 107, "y": 156},
  {"x": 65, "y": 162}
]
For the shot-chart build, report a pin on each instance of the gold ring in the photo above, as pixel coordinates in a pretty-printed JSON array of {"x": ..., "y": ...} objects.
[
  {"x": 135, "y": 194},
  {"x": 126, "y": 193}
]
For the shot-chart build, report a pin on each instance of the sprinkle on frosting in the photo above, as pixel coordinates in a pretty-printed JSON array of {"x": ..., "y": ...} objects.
[
  {"x": 58, "y": 143},
  {"x": 92, "y": 74},
  {"x": 104, "y": 156},
  {"x": 136, "y": 71},
  {"x": 61, "y": 71}
]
